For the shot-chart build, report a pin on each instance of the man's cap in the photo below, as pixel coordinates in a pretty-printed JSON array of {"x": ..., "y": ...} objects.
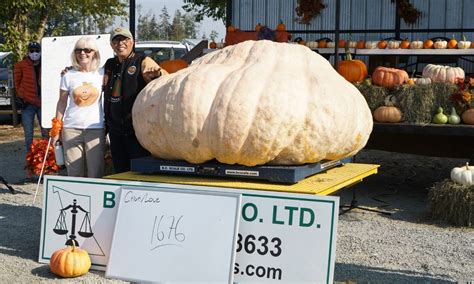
[
  {"x": 120, "y": 31},
  {"x": 34, "y": 45}
]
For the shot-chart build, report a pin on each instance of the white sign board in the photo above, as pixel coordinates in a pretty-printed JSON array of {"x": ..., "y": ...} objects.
[
  {"x": 283, "y": 237},
  {"x": 55, "y": 56},
  {"x": 174, "y": 235}
]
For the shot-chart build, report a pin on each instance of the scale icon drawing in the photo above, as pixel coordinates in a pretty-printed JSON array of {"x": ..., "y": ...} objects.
[{"x": 85, "y": 230}]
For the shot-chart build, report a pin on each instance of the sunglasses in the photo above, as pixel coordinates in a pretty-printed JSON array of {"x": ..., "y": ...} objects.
[
  {"x": 34, "y": 50},
  {"x": 118, "y": 39},
  {"x": 80, "y": 50}
]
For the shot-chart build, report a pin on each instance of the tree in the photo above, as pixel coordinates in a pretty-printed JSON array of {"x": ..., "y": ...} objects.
[
  {"x": 164, "y": 24},
  {"x": 190, "y": 25},
  {"x": 213, "y": 36},
  {"x": 24, "y": 21},
  {"x": 147, "y": 28},
  {"x": 177, "y": 28},
  {"x": 215, "y": 9}
]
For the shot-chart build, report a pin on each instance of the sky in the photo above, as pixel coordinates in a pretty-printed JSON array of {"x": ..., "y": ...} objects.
[{"x": 155, "y": 6}]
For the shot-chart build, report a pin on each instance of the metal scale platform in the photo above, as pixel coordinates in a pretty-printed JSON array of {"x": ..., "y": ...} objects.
[{"x": 278, "y": 174}]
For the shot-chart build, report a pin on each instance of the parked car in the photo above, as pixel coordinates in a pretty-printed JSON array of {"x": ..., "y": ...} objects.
[
  {"x": 162, "y": 50},
  {"x": 6, "y": 80}
]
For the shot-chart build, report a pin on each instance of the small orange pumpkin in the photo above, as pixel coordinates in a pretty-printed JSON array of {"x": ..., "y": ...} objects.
[
  {"x": 389, "y": 77},
  {"x": 405, "y": 44},
  {"x": 360, "y": 44},
  {"x": 175, "y": 65},
  {"x": 281, "y": 26},
  {"x": 352, "y": 70},
  {"x": 452, "y": 43},
  {"x": 341, "y": 43},
  {"x": 427, "y": 44},
  {"x": 258, "y": 27},
  {"x": 213, "y": 45},
  {"x": 468, "y": 116},
  {"x": 382, "y": 44},
  {"x": 323, "y": 43},
  {"x": 231, "y": 29},
  {"x": 70, "y": 262},
  {"x": 389, "y": 112}
]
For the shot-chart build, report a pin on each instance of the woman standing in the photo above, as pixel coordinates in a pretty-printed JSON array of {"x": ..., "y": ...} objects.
[{"x": 80, "y": 109}]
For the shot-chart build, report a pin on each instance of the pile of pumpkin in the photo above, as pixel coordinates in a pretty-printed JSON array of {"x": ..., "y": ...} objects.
[
  {"x": 355, "y": 71},
  {"x": 391, "y": 44}
]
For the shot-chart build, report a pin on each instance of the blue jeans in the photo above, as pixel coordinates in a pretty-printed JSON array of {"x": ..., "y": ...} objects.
[{"x": 28, "y": 120}]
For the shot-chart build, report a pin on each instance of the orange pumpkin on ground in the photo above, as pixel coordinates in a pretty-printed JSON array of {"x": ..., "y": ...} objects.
[
  {"x": 175, "y": 65},
  {"x": 352, "y": 70},
  {"x": 389, "y": 77},
  {"x": 70, "y": 262}
]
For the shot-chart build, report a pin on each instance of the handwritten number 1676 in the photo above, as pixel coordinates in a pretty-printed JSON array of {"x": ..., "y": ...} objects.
[{"x": 166, "y": 229}]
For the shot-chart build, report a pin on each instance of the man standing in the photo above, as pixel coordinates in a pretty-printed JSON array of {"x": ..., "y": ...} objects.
[
  {"x": 27, "y": 79},
  {"x": 125, "y": 76}
]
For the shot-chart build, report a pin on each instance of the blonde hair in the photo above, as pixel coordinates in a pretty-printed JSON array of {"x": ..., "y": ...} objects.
[{"x": 86, "y": 42}]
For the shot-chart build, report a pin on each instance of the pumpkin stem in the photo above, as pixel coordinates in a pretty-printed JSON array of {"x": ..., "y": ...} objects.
[
  {"x": 73, "y": 246},
  {"x": 467, "y": 166},
  {"x": 348, "y": 53}
]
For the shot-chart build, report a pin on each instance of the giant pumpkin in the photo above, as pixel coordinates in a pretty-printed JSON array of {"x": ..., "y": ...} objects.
[
  {"x": 253, "y": 103},
  {"x": 443, "y": 74}
]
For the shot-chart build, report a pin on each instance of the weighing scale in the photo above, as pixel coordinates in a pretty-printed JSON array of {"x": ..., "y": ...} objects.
[{"x": 275, "y": 173}]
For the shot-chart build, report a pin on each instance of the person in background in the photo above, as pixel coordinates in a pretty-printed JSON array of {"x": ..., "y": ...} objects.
[
  {"x": 27, "y": 80},
  {"x": 125, "y": 76},
  {"x": 79, "y": 112}
]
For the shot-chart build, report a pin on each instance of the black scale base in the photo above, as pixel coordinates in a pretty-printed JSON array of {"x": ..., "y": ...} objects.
[{"x": 277, "y": 174}]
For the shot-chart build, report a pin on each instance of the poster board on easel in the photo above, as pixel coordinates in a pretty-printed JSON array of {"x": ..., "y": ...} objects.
[{"x": 55, "y": 56}]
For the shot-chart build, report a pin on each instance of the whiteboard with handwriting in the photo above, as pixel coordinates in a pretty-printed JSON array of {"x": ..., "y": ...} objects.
[{"x": 174, "y": 236}]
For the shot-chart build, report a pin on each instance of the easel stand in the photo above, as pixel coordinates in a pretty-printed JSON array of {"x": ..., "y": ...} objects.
[
  {"x": 7, "y": 185},
  {"x": 346, "y": 208}
]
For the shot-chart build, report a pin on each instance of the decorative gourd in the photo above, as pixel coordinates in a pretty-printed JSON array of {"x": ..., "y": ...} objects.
[
  {"x": 428, "y": 44},
  {"x": 464, "y": 44},
  {"x": 463, "y": 175},
  {"x": 330, "y": 44},
  {"x": 312, "y": 44},
  {"x": 389, "y": 77},
  {"x": 352, "y": 70},
  {"x": 443, "y": 74},
  {"x": 440, "y": 117},
  {"x": 452, "y": 43},
  {"x": 454, "y": 118},
  {"x": 389, "y": 112},
  {"x": 213, "y": 45},
  {"x": 393, "y": 44},
  {"x": 237, "y": 105},
  {"x": 174, "y": 65},
  {"x": 371, "y": 44},
  {"x": 416, "y": 44},
  {"x": 405, "y": 44},
  {"x": 70, "y": 261},
  {"x": 440, "y": 44},
  {"x": 85, "y": 95},
  {"x": 360, "y": 44},
  {"x": 468, "y": 116},
  {"x": 422, "y": 81}
]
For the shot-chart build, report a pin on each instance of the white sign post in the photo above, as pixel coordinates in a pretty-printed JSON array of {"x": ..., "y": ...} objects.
[
  {"x": 55, "y": 56},
  {"x": 283, "y": 237},
  {"x": 171, "y": 235}
]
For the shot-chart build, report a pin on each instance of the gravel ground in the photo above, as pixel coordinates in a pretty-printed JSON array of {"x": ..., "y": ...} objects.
[{"x": 404, "y": 247}]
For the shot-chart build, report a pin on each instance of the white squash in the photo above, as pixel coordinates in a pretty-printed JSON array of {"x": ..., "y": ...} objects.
[
  {"x": 463, "y": 175},
  {"x": 331, "y": 44},
  {"x": 371, "y": 44},
  {"x": 443, "y": 74},
  {"x": 440, "y": 44},
  {"x": 352, "y": 44},
  {"x": 422, "y": 81},
  {"x": 416, "y": 44},
  {"x": 393, "y": 44},
  {"x": 464, "y": 44},
  {"x": 253, "y": 103},
  {"x": 312, "y": 44}
]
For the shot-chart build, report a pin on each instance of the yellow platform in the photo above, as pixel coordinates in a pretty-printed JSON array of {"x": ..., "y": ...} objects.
[{"x": 322, "y": 184}]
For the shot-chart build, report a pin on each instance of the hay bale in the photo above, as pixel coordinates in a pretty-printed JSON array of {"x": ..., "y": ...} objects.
[
  {"x": 418, "y": 103},
  {"x": 452, "y": 203}
]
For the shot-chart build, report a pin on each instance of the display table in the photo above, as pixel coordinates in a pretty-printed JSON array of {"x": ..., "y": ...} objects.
[{"x": 321, "y": 184}]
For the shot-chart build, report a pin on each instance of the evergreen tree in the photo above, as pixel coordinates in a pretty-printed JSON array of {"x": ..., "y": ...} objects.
[
  {"x": 177, "y": 27},
  {"x": 164, "y": 24}
]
